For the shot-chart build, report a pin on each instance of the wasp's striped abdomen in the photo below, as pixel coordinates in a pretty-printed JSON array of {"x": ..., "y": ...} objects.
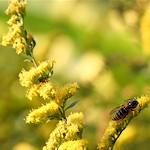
[
  {"x": 122, "y": 111},
  {"x": 120, "y": 114}
]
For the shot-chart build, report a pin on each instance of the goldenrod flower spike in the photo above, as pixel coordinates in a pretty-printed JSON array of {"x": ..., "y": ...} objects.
[
  {"x": 68, "y": 133},
  {"x": 45, "y": 112},
  {"x": 115, "y": 127},
  {"x": 17, "y": 36},
  {"x": 74, "y": 125},
  {"x": 66, "y": 92}
]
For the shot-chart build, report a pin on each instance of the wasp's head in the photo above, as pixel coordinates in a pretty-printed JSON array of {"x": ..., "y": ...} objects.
[{"x": 132, "y": 103}]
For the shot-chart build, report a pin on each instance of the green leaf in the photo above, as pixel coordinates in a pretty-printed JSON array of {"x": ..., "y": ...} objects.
[{"x": 72, "y": 104}]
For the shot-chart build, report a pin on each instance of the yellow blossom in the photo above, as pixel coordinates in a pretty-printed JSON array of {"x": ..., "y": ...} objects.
[
  {"x": 57, "y": 136},
  {"x": 74, "y": 145},
  {"x": 45, "y": 66},
  {"x": 74, "y": 125},
  {"x": 35, "y": 75},
  {"x": 76, "y": 118},
  {"x": 32, "y": 91},
  {"x": 72, "y": 131},
  {"x": 16, "y": 6},
  {"x": 37, "y": 80},
  {"x": 6, "y": 39},
  {"x": 143, "y": 101},
  {"x": 16, "y": 34},
  {"x": 14, "y": 19},
  {"x": 47, "y": 111},
  {"x": 66, "y": 92},
  {"x": 47, "y": 90},
  {"x": 26, "y": 77},
  {"x": 19, "y": 44},
  {"x": 67, "y": 129},
  {"x": 44, "y": 148}
]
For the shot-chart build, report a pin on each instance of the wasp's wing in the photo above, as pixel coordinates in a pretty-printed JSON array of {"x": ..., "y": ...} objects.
[
  {"x": 114, "y": 111},
  {"x": 127, "y": 100}
]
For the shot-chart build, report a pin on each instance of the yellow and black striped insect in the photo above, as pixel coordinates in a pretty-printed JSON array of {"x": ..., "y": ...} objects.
[{"x": 122, "y": 111}]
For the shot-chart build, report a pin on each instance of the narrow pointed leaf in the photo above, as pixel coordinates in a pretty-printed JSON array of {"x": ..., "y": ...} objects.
[{"x": 72, "y": 104}]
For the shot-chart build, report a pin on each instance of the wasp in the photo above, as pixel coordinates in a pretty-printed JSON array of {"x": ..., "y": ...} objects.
[{"x": 122, "y": 111}]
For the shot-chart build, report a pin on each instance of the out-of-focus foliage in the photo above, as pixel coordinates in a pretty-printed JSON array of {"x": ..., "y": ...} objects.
[{"x": 96, "y": 43}]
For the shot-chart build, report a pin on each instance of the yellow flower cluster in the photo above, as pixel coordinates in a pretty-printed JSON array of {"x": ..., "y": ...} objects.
[
  {"x": 74, "y": 145},
  {"x": 57, "y": 136},
  {"x": 67, "y": 134},
  {"x": 143, "y": 101},
  {"x": 47, "y": 111},
  {"x": 47, "y": 90},
  {"x": 66, "y": 92},
  {"x": 35, "y": 75},
  {"x": 76, "y": 118},
  {"x": 74, "y": 125},
  {"x": 16, "y": 6},
  {"x": 37, "y": 80},
  {"x": 17, "y": 36},
  {"x": 67, "y": 131},
  {"x": 16, "y": 33}
]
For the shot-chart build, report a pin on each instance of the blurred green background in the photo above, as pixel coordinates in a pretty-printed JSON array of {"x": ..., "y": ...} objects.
[{"x": 94, "y": 42}]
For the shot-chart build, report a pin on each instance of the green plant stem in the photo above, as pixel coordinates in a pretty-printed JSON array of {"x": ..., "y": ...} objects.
[
  {"x": 34, "y": 60},
  {"x": 62, "y": 112}
]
